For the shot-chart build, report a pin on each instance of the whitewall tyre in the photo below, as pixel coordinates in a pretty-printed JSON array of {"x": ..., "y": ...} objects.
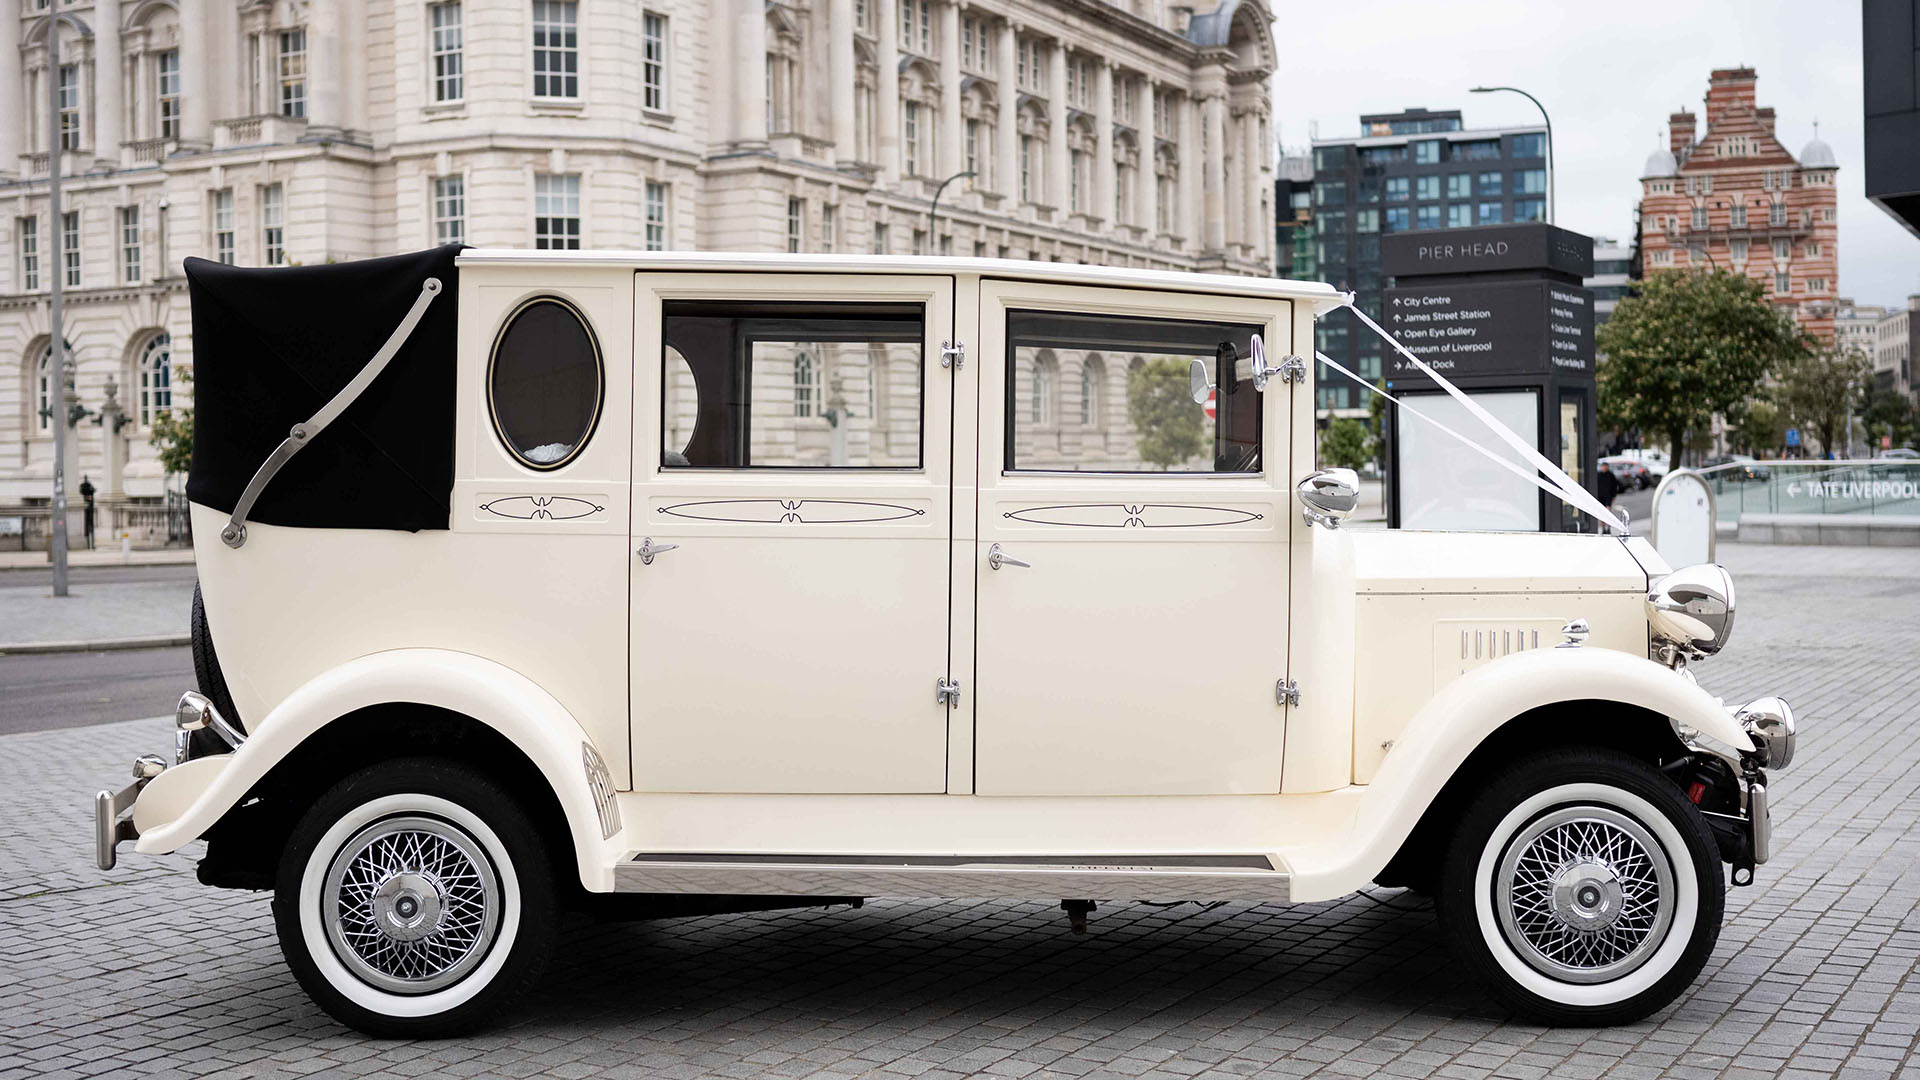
[
  {"x": 415, "y": 900},
  {"x": 1583, "y": 888}
]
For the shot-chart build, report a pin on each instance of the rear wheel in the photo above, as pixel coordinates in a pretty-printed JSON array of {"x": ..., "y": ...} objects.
[
  {"x": 208, "y": 677},
  {"x": 415, "y": 900},
  {"x": 1583, "y": 888}
]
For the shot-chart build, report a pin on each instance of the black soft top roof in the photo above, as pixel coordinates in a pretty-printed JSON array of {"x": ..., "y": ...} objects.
[{"x": 271, "y": 346}]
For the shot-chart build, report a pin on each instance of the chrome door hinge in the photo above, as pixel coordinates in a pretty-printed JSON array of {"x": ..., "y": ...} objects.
[
  {"x": 1293, "y": 369},
  {"x": 946, "y": 692},
  {"x": 953, "y": 354},
  {"x": 1286, "y": 692}
]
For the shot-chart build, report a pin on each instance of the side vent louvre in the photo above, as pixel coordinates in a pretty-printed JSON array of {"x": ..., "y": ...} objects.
[
  {"x": 600, "y": 783},
  {"x": 1460, "y": 645}
]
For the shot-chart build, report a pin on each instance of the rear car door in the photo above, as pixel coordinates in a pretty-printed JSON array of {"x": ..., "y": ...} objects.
[{"x": 792, "y": 523}]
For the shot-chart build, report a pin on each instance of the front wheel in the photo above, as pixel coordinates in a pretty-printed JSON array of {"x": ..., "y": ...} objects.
[
  {"x": 415, "y": 900},
  {"x": 1583, "y": 888}
]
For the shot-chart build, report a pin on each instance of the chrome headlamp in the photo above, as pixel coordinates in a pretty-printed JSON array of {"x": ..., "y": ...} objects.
[
  {"x": 1768, "y": 721},
  {"x": 1691, "y": 611}
]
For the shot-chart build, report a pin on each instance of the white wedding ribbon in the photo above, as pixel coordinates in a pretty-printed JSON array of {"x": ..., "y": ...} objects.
[{"x": 1558, "y": 483}]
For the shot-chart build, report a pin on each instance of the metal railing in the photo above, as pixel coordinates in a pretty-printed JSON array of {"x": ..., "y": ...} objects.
[{"x": 1880, "y": 486}]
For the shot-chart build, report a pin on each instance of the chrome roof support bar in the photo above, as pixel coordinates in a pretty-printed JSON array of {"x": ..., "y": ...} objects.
[{"x": 235, "y": 532}]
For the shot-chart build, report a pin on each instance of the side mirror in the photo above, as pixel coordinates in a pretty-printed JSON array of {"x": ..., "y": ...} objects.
[
  {"x": 1198, "y": 381},
  {"x": 1329, "y": 496}
]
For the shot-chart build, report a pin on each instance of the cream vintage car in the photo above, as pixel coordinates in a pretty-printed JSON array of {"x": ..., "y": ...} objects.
[{"x": 668, "y": 582}]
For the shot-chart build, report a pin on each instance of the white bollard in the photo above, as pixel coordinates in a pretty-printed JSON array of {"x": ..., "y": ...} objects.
[{"x": 126, "y": 546}]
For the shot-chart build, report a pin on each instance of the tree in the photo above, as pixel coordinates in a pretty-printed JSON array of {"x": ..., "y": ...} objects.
[
  {"x": 1762, "y": 430},
  {"x": 1377, "y": 422},
  {"x": 1160, "y": 404},
  {"x": 1344, "y": 444},
  {"x": 1689, "y": 344},
  {"x": 173, "y": 429},
  {"x": 1887, "y": 412},
  {"x": 1817, "y": 392}
]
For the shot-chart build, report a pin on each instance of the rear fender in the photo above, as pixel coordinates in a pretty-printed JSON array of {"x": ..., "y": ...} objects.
[{"x": 479, "y": 689}]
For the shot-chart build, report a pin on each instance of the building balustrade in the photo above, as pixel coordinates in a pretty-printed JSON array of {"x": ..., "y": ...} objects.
[
  {"x": 270, "y": 129},
  {"x": 149, "y": 151}
]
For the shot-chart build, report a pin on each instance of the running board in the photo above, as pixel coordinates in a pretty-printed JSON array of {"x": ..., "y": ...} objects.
[{"x": 1250, "y": 878}]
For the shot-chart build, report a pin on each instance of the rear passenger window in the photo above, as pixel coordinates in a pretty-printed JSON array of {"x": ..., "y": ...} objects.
[
  {"x": 1111, "y": 393},
  {"x": 545, "y": 383},
  {"x": 769, "y": 385}
]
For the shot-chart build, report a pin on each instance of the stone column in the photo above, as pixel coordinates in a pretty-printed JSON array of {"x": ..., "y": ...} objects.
[
  {"x": 1187, "y": 185},
  {"x": 1255, "y": 157},
  {"x": 841, "y": 72},
  {"x": 196, "y": 103},
  {"x": 13, "y": 111},
  {"x": 142, "y": 103},
  {"x": 1213, "y": 211},
  {"x": 887, "y": 97},
  {"x": 952, "y": 154},
  {"x": 1146, "y": 192},
  {"x": 1103, "y": 170},
  {"x": 109, "y": 115},
  {"x": 1058, "y": 190},
  {"x": 1232, "y": 171},
  {"x": 113, "y": 448},
  {"x": 1007, "y": 132},
  {"x": 750, "y": 72}
]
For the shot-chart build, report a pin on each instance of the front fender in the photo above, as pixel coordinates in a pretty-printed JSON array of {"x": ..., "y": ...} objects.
[
  {"x": 487, "y": 692},
  {"x": 1439, "y": 738}
]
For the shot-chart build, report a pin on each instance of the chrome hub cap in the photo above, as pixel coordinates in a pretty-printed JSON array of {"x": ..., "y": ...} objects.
[
  {"x": 1584, "y": 894},
  {"x": 411, "y": 904}
]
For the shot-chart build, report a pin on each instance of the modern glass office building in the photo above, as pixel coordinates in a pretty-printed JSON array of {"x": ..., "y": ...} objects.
[{"x": 1407, "y": 171}]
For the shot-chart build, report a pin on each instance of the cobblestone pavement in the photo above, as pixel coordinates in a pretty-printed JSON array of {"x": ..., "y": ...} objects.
[{"x": 142, "y": 971}]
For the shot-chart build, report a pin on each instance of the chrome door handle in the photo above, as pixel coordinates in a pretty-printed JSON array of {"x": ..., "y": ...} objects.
[
  {"x": 648, "y": 549},
  {"x": 997, "y": 558}
]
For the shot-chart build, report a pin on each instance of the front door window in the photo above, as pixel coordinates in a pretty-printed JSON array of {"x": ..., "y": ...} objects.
[{"x": 1135, "y": 411}]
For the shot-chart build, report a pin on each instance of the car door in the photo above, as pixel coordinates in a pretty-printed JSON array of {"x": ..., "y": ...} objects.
[
  {"x": 792, "y": 527},
  {"x": 1132, "y": 545}
]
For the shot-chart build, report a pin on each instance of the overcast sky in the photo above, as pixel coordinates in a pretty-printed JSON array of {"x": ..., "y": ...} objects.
[{"x": 1609, "y": 73}]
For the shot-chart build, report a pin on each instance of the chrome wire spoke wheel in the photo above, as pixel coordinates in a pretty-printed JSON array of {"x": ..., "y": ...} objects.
[
  {"x": 411, "y": 904},
  {"x": 1584, "y": 894}
]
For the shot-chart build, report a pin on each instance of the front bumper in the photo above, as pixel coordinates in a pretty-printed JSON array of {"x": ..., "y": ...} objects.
[{"x": 111, "y": 826}]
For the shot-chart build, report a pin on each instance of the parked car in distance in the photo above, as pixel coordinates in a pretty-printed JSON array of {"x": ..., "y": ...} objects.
[
  {"x": 1654, "y": 460},
  {"x": 1900, "y": 453},
  {"x": 671, "y": 582},
  {"x": 1736, "y": 468},
  {"x": 1629, "y": 473}
]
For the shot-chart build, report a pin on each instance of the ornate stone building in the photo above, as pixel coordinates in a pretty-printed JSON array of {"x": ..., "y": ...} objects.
[
  {"x": 1735, "y": 199},
  {"x": 277, "y": 132}
]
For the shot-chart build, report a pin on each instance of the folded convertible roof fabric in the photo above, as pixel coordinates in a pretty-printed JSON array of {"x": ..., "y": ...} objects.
[{"x": 271, "y": 346}]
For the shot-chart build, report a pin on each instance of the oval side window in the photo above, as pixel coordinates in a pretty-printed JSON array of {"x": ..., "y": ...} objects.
[{"x": 545, "y": 382}]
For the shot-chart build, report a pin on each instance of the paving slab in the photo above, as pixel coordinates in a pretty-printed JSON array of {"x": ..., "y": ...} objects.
[{"x": 141, "y": 971}]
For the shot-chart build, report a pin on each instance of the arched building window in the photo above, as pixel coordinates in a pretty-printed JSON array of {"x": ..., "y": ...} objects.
[
  {"x": 43, "y": 388},
  {"x": 784, "y": 75},
  {"x": 919, "y": 119},
  {"x": 155, "y": 372},
  {"x": 806, "y": 386},
  {"x": 1093, "y": 379},
  {"x": 1040, "y": 402},
  {"x": 152, "y": 44}
]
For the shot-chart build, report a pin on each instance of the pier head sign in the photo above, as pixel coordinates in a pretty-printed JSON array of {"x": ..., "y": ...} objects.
[
  {"x": 1495, "y": 328},
  {"x": 1500, "y": 300}
]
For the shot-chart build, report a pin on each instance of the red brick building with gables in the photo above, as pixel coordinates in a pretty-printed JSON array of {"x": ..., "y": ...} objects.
[{"x": 1735, "y": 199}]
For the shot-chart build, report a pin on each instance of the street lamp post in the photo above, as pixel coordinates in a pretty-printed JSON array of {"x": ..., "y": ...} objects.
[
  {"x": 59, "y": 403},
  {"x": 1549, "y": 122},
  {"x": 933, "y": 214}
]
